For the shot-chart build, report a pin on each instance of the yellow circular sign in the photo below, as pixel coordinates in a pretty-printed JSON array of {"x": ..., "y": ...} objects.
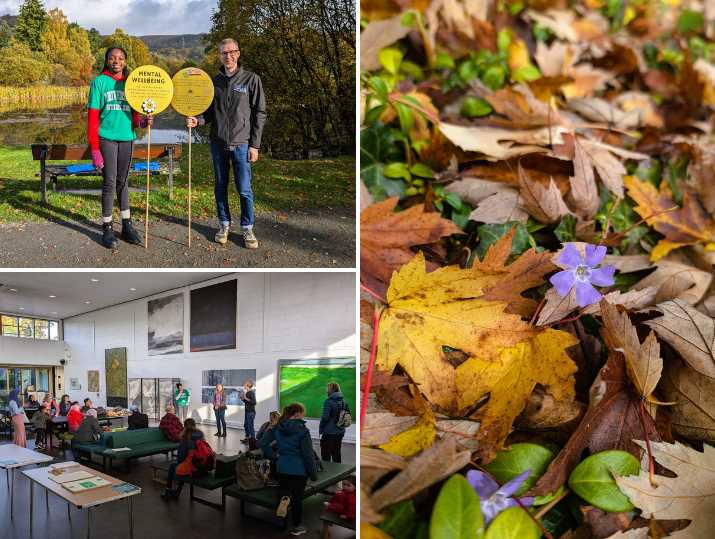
[
  {"x": 149, "y": 89},
  {"x": 193, "y": 91}
]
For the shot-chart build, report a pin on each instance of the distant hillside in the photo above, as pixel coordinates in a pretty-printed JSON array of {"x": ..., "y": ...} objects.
[
  {"x": 190, "y": 46},
  {"x": 10, "y": 19}
]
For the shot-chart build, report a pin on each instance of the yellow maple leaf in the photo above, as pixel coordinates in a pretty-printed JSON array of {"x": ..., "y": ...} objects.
[
  {"x": 415, "y": 439},
  {"x": 460, "y": 348}
]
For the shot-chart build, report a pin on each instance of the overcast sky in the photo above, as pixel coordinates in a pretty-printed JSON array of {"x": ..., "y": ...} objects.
[{"x": 136, "y": 17}]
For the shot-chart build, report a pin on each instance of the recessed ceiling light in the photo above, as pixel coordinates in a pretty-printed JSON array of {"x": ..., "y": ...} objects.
[
  {"x": 22, "y": 308},
  {"x": 53, "y": 312},
  {"x": 51, "y": 296},
  {"x": 87, "y": 302},
  {"x": 12, "y": 289},
  {"x": 94, "y": 280},
  {"x": 132, "y": 289}
]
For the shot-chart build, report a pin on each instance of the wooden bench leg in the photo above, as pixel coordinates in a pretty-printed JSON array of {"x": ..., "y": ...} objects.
[
  {"x": 43, "y": 177},
  {"x": 326, "y": 530}
]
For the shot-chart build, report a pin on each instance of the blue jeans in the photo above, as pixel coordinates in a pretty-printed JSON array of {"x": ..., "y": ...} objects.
[
  {"x": 248, "y": 425},
  {"x": 220, "y": 420},
  {"x": 222, "y": 159}
]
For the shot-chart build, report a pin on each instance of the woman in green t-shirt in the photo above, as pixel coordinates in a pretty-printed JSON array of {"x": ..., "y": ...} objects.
[
  {"x": 110, "y": 133},
  {"x": 181, "y": 400}
]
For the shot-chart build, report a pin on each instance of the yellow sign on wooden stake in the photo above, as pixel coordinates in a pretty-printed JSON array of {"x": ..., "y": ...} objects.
[
  {"x": 193, "y": 94},
  {"x": 148, "y": 90}
]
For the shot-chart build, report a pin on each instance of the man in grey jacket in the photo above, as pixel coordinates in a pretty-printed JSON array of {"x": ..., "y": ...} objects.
[{"x": 237, "y": 115}]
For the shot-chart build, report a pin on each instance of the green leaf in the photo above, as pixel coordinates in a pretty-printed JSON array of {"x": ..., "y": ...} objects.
[
  {"x": 373, "y": 115},
  {"x": 406, "y": 116},
  {"x": 444, "y": 61},
  {"x": 456, "y": 513},
  {"x": 526, "y": 73},
  {"x": 397, "y": 170},
  {"x": 409, "y": 18},
  {"x": 391, "y": 58},
  {"x": 513, "y": 523},
  {"x": 421, "y": 170},
  {"x": 453, "y": 200},
  {"x": 400, "y": 521},
  {"x": 468, "y": 71},
  {"x": 690, "y": 21},
  {"x": 474, "y": 107},
  {"x": 593, "y": 479},
  {"x": 519, "y": 458},
  {"x": 489, "y": 234},
  {"x": 461, "y": 217},
  {"x": 412, "y": 69},
  {"x": 503, "y": 40},
  {"x": 380, "y": 87},
  {"x": 566, "y": 231},
  {"x": 494, "y": 77},
  {"x": 380, "y": 144}
]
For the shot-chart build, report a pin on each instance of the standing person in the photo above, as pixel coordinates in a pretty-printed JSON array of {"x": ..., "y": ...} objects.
[
  {"x": 40, "y": 421},
  {"x": 295, "y": 462},
  {"x": 182, "y": 398},
  {"x": 331, "y": 434},
  {"x": 220, "y": 410},
  {"x": 110, "y": 133},
  {"x": 65, "y": 405},
  {"x": 249, "y": 400},
  {"x": 237, "y": 115},
  {"x": 17, "y": 412}
]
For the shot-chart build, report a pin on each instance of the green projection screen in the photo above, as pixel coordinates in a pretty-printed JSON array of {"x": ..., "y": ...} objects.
[{"x": 305, "y": 380}]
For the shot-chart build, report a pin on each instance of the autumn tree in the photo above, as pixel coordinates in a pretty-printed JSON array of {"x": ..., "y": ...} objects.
[
  {"x": 137, "y": 51},
  {"x": 67, "y": 47},
  {"x": 20, "y": 66},
  {"x": 31, "y": 24}
]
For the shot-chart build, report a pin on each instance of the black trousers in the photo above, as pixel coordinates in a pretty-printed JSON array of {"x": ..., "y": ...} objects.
[
  {"x": 117, "y": 159},
  {"x": 40, "y": 436},
  {"x": 330, "y": 445},
  {"x": 293, "y": 486}
]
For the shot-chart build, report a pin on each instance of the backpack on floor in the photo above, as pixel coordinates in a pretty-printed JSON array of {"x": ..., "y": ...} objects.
[{"x": 345, "y": 418}]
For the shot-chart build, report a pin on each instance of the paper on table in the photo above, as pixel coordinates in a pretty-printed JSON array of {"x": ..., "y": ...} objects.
[
  {"x": 61, "y": 465},
  {"x": 122, "y": 449},
  {"x": 86, "y": 484},
  {"x": 70, "y": 476}
]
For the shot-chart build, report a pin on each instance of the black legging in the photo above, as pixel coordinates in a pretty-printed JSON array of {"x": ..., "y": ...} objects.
[
  {"x": 117, "y": 159},
  {"x": 293, "y": 487}
]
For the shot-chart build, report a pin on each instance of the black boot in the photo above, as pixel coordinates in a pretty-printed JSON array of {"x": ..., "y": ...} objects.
[
  {"x": 109, "y": 240},
  {"x": 129, "y": 234}
]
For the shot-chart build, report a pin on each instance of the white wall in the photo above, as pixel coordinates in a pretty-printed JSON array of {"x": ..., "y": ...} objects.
[
  {"x": 280, "y": 316},
  {"x": 21, "y": 351}
]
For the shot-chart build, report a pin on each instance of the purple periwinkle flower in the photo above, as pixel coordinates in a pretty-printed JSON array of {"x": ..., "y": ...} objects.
[
  {"x": 580, "y": 272},
  {"x": 494, "y": 499}
]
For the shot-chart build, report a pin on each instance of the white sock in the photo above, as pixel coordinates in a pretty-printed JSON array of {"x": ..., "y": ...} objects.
[
  {"x": 125, "y": 214},
  {"x": 247, "y": 228},
  {"x": 106, "y": 219}
]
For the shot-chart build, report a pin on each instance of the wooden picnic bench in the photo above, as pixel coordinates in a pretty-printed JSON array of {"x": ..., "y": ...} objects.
[{"x": 78, "y": 152}]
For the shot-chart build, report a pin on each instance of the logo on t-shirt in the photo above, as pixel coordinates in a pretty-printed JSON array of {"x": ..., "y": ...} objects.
[{"x": 243, "y": 88}]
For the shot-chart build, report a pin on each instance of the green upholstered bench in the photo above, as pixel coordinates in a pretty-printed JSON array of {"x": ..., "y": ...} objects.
[
  {"x": 269, "y": 496},
  {"x": 141, "y": 443},
  {"x": 331, "y": 519}
]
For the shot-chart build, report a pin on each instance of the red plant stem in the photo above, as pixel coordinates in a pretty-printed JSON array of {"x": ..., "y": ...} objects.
[
  {"x": 370, "y": 365},
  {"x": 537, "y": 311},
  {"x": 373, "y": 294},
  {"x": 651, "y": 460}
]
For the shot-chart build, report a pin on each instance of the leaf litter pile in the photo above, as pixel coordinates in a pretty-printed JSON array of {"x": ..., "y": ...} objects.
[{"x": 537, "y": 251}]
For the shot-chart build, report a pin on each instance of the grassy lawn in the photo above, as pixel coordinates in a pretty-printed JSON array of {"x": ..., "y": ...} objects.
[
  {"x": 279, "y": 186},
  {"x": 306, "y": 385}
]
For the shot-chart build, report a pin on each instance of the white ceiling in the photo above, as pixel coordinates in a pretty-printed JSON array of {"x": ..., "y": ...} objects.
[{"x": 74, "y": 289}]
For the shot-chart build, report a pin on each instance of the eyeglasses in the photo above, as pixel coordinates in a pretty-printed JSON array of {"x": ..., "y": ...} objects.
[{"x": 230, "y": 53}]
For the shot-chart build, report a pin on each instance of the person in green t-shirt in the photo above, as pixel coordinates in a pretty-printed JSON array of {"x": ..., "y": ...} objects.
[
  {"x": 110, "y": 133},
  {"x": 181, "y": 399}
]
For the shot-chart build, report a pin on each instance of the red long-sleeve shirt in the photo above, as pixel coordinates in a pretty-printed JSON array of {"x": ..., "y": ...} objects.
[{"x": 93, "y": 117}]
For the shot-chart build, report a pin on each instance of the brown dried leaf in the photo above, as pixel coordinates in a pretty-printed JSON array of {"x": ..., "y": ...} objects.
[
  {"x": 690, "y": 332},
  {"x": 584, "y": 191},
  {"x": 500, "y": 208},
  {"x": 543, "y": 411},
  {"x": 693, "y": 414},
  {"x": 546, "y": 205},
  {"x": 632, "y": 300},
  {"x": 376, "y": 36},
  {"x": 674, "y": 280},
  {"x": 555, "y": 307},
  {"x": 380, "y": 427},
  {"x": 463, "y": 431},
  {"x": 429, "y": 467},
  {"x": 367, "y": 512}
]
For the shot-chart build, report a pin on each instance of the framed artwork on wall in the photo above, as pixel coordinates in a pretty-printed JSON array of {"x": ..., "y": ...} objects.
[
  {"x": 165, "y": 322},
  {"x": 213, "y": 317},
  {"x": 115, "y": 372},
  {"x": 93, "y": 381}
]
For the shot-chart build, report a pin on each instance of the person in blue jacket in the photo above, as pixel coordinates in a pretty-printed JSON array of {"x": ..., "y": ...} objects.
[
  {"x": 331, "y": 435},
  {"x": 189, "y": 436},
  {"x": 296, "y": 462}
]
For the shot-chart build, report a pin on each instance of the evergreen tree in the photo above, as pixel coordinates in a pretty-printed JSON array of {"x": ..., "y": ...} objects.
[
  {"x": 5, "y": 34},
  {"x": 31, "y": 23}
]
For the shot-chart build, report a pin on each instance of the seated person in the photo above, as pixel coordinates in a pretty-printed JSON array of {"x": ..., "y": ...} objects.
[
  {"x": 32, "y": 403},
  {"x": 89, "y": 430},
  {"x": 137, "y": 420},
  {"x": 171, "y": 425},
  {"x": 74, "y": 417},
  {"x": 40, "y": 420},
  {"x": 343, "y": 502},
  {"x": 190, "y": 437},
  {"x": 87, "y": 405},
  {"x": 268, "y": 425}
]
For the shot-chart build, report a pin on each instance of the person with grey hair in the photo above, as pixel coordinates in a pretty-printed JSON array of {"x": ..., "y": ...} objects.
[
  {"x": 237, "y": 115},
  {"x": 89, "y": 430},
  {"x": 137, "y": 420},
  {"x": 170, "y": 425}
]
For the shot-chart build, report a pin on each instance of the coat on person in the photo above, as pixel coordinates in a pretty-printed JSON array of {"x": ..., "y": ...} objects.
[
  {"x": 171, "y": 426},
  {"x": 40, "y": 419},
  {"x": 74, "y": 418},
  {"x": 295, "y": 448},
  {"x": 332, "y": 406},
  {"x": 89, "y": 430}
]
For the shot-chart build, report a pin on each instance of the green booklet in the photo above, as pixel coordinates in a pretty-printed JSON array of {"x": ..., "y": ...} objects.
[{"x": 86, "y": 484}]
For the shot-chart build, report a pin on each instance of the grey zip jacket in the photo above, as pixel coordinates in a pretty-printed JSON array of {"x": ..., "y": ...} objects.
[{"x": 238, "y": 112}]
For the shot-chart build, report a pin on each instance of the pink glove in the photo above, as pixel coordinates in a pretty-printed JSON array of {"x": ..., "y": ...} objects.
[{"x": 97, "y": 159}]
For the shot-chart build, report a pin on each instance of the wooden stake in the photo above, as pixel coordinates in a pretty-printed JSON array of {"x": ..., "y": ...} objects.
[
  {"x": 148, "y": 173},
  {"x": 189, "y": 187}
]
